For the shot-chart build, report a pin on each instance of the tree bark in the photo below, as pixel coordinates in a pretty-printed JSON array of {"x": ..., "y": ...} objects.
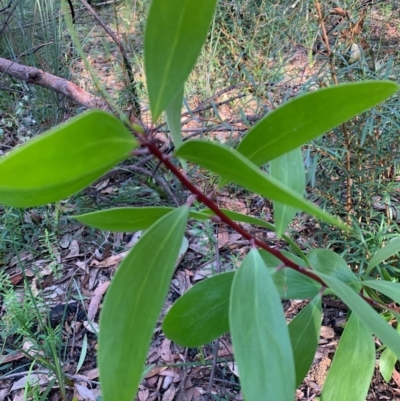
[{"x": 39, "y": 77}]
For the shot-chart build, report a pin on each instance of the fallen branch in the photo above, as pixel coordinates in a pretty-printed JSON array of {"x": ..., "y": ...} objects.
[{"x": 39, "y": 77}]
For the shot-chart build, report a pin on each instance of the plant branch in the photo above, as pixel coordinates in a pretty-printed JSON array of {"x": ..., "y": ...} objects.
[
  {"x": 39, "y": 77},
  {"x": 223, "y": 218},
  {"x": 164, "y": 159}
]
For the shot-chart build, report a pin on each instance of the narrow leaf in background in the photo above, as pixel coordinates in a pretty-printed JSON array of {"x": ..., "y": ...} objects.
[
  {"x": 309, "y": 116},
  {"x": 175, "y": 33},
  {"x": 133, "y": 304},
  {"x": 365, "y": 312},
  {"x": 386, "y": 252},
  {"x": 260, "y": 336},
  {"x": 353, "y": 364},
  {"x": 304, "y": 332},
  {"x": 63, "y": 160},
  {"x": 231, "y": 165},
  {"x": 288, "y": 169},
  {"x": 201, "y": 314}
]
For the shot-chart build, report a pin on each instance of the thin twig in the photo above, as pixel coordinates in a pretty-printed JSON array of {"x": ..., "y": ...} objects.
[
  {"x": 225, "y": 219},
  {"x": 136, "y": 169},
  {"x": 125, "y": 58},
  {"x": 347, "y": 141}
]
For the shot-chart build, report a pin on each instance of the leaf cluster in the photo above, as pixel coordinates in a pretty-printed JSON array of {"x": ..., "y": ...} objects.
[{"x": 246, "y": 302}]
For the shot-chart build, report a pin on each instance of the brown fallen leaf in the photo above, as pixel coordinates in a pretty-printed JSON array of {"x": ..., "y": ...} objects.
[
  {"x": 327, "y": 332},
  {"x": 396, "y": 377},
  {"x": 143, "y": 395},
  {"x": 165, "y": 352},
  {"x": 73, "y": 250},
  {"x": 11, "y": 357},
  {"x": 169, "y": 394},
  {"x": 96, "y": 299},
  {"x": 33, "y": 380},
  {"x": 223, "y": 238},
  {"x": 155, "y": 371},
  {"x": 338, "y": 11},
  {"x": 91, "y": 374},
  {"x": 111, "y": 261},
  {"x": 82, "y": 393}
]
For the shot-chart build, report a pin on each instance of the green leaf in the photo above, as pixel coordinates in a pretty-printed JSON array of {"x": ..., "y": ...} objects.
[
  {"x": 353, "y": 364},
  {"x": 289, "y": 283},
  {"x": 386, "y": 364},
  {"x": 365, "y": 312},
  {"x": 288, "y": 169},
  {"x": 186, "y": 322},
  {"x": 304, "y": 332},
  {"x": 233, "y": 166},
  {"x": 173, "y": 112},
  {"x": 387, "y": 361},
  {"x": 308, "y": 116},
  {"x": 260, "y": 336},
  {"x": 329, "y": 262},
  {"x": 133, "y": 304},
  {"x": 64, "y": 160},
  {"x": 384, "y": 253},
  {"x": 123, "y": 219},
  {"x": 175, "y": 33},
  {"x": 392, "y": 290}
]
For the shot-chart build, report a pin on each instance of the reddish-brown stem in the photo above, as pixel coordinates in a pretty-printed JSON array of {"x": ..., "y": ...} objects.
[
  {"x": 199, "y": 195},
  {"x": 214, "y": 207}
]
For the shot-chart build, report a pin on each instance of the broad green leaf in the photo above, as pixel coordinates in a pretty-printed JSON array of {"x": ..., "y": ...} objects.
[
  {"x": 289, "y": 283},
  {"x": 64, "y": 160},
  {"x": 201, "y": 314},
  {"x": 353, "y": 364},
  {"x": 233, "y": 166},
  {"x": 308, "y": 116},
  {"x": 123, "y": 219},
  {"x": 386, "y": 364},
  {"x": 365, "y": 312},
  {"x": 329, "y": 262},
  {"x": 136, "y": 218},
  {"x": 260, "y": 336},
  {"x": 288, "y": 169},
  {"x": 386, "y": 252},
  {"x": 391, "y": 290},
  {"x": 304, "y": 332},
  {"x": 187, "y": 325},
  {"x": 133, "y": 304},
  {"x": 175, "y": 33}
]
